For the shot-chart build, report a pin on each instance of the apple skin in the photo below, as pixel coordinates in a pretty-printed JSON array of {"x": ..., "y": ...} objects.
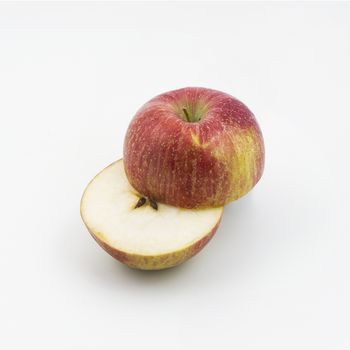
[
  {"x": 154, "y": 262},
  {"x": 216, "y": 158}
]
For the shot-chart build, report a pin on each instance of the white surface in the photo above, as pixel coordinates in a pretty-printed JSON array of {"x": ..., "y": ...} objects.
[
  {"x": 276, "y": 276},
  {"x": 108, "y": 209}
]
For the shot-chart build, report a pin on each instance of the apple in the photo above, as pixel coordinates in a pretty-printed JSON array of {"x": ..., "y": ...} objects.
[
  {"x": 138, "y": 231},
  {"x": 194, "y": 148}
]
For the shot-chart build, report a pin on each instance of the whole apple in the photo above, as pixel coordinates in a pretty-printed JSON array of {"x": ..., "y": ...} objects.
[{"x": 194, "y": 148}]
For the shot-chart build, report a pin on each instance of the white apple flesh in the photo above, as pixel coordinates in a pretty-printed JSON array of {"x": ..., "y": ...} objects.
[{"x": 151, "y": 236}]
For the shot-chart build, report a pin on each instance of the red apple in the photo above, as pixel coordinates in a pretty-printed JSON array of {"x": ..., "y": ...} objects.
[{"x": 194, "y": 148}]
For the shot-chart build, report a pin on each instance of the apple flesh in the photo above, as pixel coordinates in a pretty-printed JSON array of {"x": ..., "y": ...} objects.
[
  {"x": 194, "y": 148},
  {"x": 138, "y": 231}
]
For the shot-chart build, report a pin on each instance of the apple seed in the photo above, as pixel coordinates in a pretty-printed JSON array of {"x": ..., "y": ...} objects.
[
  {"x": 140, "y": 202},
  {"x": 153, "y": 204}
]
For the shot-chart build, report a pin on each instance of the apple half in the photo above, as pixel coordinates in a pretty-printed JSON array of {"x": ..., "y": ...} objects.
[{"x": 136, "y": 230}]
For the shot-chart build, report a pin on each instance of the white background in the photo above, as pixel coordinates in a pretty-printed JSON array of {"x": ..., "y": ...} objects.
[{"x": 276, "y": 275}]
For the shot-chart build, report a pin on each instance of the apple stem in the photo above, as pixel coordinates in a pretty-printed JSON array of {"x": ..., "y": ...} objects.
[{"x": 186, "y": 114}]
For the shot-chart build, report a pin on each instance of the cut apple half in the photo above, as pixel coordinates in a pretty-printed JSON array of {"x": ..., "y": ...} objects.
[{"x": 136, "y": 230}]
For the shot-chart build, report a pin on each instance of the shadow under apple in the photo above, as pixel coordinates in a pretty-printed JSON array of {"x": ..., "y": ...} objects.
[{"x": 224, "y": 257}]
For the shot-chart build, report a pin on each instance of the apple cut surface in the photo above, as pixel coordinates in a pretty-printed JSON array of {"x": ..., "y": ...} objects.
[{"x": 139, "y": 232}]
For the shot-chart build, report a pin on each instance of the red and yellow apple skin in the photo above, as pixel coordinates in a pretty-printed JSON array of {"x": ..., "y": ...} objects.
[
  {"x": 154, "y": 262},
  {"x": 194, "y": 148}
]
